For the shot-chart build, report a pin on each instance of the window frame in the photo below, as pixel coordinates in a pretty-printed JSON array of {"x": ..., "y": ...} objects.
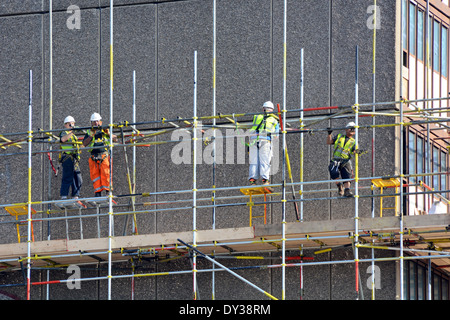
[
  {"x": 417, "y": 153},
  {"x": 415, "y": 279}
]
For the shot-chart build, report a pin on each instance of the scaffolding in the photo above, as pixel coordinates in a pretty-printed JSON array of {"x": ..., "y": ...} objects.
[{"x": 399, "y": 233}]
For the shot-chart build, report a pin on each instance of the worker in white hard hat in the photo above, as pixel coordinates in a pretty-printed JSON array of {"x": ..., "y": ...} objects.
[
  {"x": 99, "y": 162},
  {"x": 264, "y": 129},
  {"x": 340, "y": 164},
  {"x": 70, "y": 160}
]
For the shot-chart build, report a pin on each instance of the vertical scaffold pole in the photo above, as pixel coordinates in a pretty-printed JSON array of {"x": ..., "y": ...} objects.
[
  {"x": 111, "y": 104},
  {"x": 374, "y": 51},
  {"x": 401, "y": 203},
  {"x": 194, "y": 183},
  {"x": 50, "y": 111},
  {"x": 131, "y": 180},
  {"x": 213, "y": 289},
  {"x": 401, "y": 271},
  {"x": 301, "y": 165},
  {"x": 133, "y": 199},
  {"x": 30, "y": 139},
  {"x": 429, "y": 274},
  {"x": 356, "y": 236},
  {"x": 301, "y": 135},
  {"x": 214, "y": 113},
  {"x": 283, "y": 286}
]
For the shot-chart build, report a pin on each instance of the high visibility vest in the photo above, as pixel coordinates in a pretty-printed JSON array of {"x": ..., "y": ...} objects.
[
  {"x": 264, "y": 124},
  {"x": 99, "y": 140},
  {"x": 70, "y": 143},
  {"x": 343, "y": 151}
]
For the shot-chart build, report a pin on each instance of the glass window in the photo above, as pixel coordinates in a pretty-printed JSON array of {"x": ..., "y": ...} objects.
[
  {"x": 412, "y": 29},
  {"x": 436, "y": 45},
  {"x": 412, "y": 281},
  {"x": 444, "y": 53},
  {"x": 436, "y": 168},
  {"x": 404, "y": 24},
  {"x": 436, "y": 287},
  {"x": 405, "y": 279},
  {"x": 420, "y": 283},
  {"x": 429, "y": 35},
  {"x": 415, "y": 282},
  {"x": 443, "y": 169},
  {"x": 444, "y": 289},
  {"x": 420, "y": 33},
  {"x": 420, "y": 166},
  {"x": 412, "y": 156}
]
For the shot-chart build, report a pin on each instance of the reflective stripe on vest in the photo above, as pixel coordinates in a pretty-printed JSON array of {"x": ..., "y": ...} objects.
[
  {"x": 268, "y": 126},
  {"x": 70, "y": 143},
  {"x": 343, "y": 151},
  {"x": 104, "y": 140}
]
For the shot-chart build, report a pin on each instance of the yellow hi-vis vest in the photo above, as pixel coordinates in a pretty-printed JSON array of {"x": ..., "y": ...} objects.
[
  {"x": 264, "y": 124},
  {"x": 343, "y": 151},
  {"x": 69, "y": 144},
  {"x": 99, "y": 140}
]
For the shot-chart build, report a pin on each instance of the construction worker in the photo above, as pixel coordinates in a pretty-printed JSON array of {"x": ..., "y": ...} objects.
[
  {"x": 70, "y": 160},
  {"x": 99, "y": 162},
  {"x": 340, "y": 164},
  {"x": 264, "y": 129}
]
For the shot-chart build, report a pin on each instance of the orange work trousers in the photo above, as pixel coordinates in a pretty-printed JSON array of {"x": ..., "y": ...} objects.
[{"x": 99, "y": 170}]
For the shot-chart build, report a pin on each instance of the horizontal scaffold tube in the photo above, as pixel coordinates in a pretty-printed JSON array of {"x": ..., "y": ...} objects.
[
  {"x": 271, "y": 266},
  {"x": 235, "y": 115},
  {"x": 217, "y": 189}
]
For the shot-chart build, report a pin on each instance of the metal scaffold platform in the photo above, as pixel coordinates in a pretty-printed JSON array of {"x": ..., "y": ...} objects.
[
  {"x": 324, "y": 236},
  {"x": 409, "y": 237}
]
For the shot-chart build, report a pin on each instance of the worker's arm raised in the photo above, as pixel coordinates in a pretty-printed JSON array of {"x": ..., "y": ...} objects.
[{"x": 329, "y": 137}]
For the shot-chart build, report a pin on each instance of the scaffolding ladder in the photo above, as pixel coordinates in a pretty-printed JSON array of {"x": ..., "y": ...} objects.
[
  {"x": 256, "y": 191},
  {"x": 17, "y": 211},
  {"x": 383, "y": 183}
]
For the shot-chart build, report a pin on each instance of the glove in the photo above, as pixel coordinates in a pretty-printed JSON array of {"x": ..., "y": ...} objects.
[
  {"x": 359, "y": 151},
  {"x": 329, "y": 131}
]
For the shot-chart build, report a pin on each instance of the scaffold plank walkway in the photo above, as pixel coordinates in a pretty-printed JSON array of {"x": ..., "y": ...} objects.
[{"x": 419, "y": 233}]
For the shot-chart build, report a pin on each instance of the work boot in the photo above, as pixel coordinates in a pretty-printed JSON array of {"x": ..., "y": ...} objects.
[
  {"x": 98, "y": 194},
  {"x": 252, "y": 181},
  {"x": 340, "y": 187},
  {"x": 265, "y": 183},
  {"x": 348, "y": 193}
]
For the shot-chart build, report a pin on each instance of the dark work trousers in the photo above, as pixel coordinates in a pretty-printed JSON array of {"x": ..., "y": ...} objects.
[{"x": 71, "y": 176}]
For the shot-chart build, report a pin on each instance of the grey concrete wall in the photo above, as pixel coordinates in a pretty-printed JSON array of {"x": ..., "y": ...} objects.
[{"x": 157, "y": 39}]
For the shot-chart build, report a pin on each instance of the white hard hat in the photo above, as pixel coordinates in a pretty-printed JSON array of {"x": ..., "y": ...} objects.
[
  {"x": 69, "y": 119},
  {"x": 268, "y": 105},
  {"x": 96, "y": 117},
  {"x": 351, "y": 125}
]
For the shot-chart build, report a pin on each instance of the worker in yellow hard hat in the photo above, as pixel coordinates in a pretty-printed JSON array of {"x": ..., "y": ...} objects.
[{"x": 70, "y": 160}]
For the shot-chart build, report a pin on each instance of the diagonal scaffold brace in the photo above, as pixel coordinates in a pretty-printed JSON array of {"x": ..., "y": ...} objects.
[{"x": 227, "y": 269}]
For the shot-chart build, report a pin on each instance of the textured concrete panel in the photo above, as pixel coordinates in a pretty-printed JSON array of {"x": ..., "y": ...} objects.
[
  {"x": 8, "y": 7},
  {"x": 22, "y": 51},
  {"x": 349, "y": 29},
  {"x": 307, "y": 28},
  {"x": 182, "y": 29},
  {"x": 244, "y": 67},
  {"x": 75, "y": 76},
  {"x": 134, "y": 50}
]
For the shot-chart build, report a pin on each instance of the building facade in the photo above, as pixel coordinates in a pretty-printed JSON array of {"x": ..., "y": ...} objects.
[{"x": 170, "y": 60}]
